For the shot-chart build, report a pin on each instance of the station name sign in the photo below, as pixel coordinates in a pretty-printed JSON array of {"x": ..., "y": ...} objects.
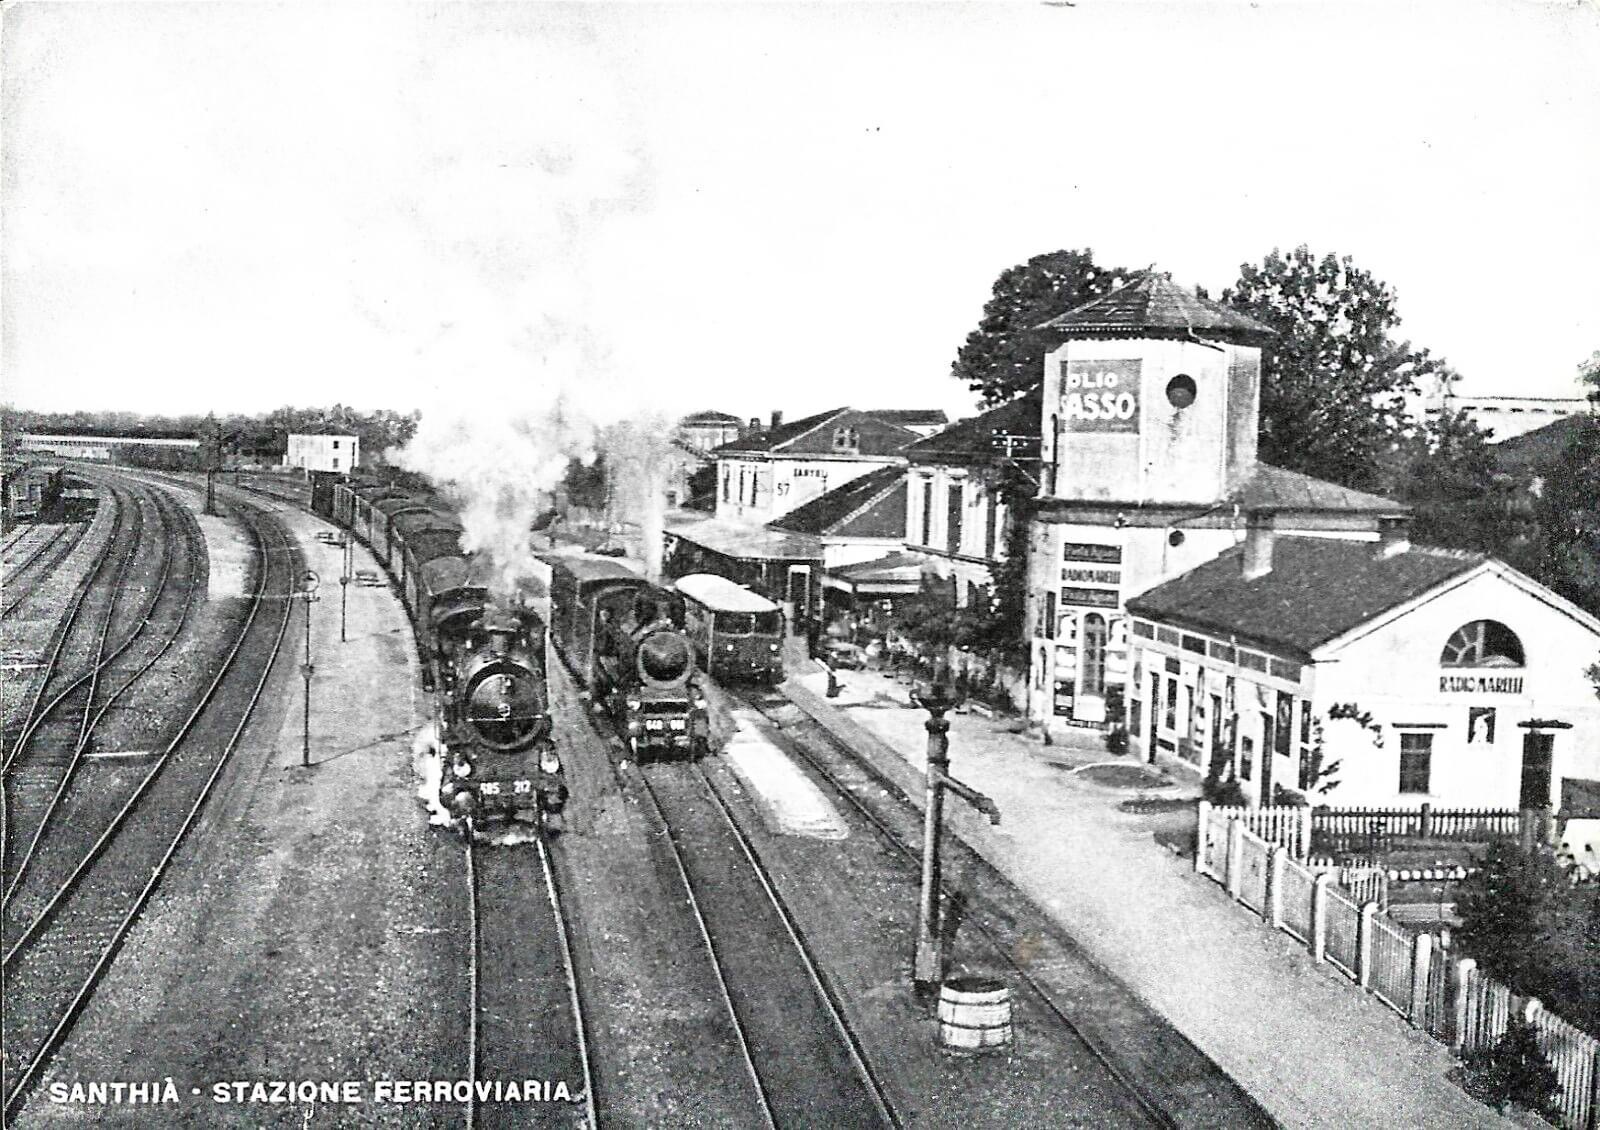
[
  {"x": 1480, "y": 684},
  {"x": 1100, "y": 396}
]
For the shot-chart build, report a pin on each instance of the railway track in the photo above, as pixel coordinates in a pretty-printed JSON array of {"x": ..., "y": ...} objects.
[
  {"x": 805, "y": 1063},
  {"x": 51, "y": 969},
  {"x": 527, "y": 1020},
  {"x": 1169, "y": 1080},
  {"x": 98, "y": 786},
  {"x": 37, "y": 560}
]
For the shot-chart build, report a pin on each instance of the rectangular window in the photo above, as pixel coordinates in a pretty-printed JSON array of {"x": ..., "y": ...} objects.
[
  {"x": 336, "y": 445},
  {"x": 952, "y": 519},
  {"x": 991, "y": 519},
  {"x": 1169, "y": 716},
  {"x": 727, "y": 477},
  {"x": 1247, "y": 758},
  {"x": 335, "y": 462},
  {"x": 1049, "y": 632},
  {"x": 927, "y": 512},
  {"x": 1480, "y": 725},
  {"x": 1416, "y": 762},
  {"x": 1283, "y": 729}
]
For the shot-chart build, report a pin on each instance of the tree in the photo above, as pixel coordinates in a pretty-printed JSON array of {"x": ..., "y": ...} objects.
[
  {"x": 1509, "y": 909},
  {"x": 1447, "y": 473},
  {"x": 1333, "y": 382},
  {"x": 1568, "y": 513},
  {"x": 1004, "y": 356}
]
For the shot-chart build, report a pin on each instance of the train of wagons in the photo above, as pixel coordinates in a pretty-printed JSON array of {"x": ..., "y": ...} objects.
[{"x": 636, "y": 649}]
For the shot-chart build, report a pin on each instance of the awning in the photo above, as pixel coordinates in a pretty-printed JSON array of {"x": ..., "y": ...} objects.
[
  {"x": 749, "y": 543},
  {"x": 894, "y": 575}
]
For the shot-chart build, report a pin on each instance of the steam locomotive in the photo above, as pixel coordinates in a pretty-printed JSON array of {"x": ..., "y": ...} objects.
[
  {"x": 623, "y": 639},
  {"x": 483, "y": 658}
]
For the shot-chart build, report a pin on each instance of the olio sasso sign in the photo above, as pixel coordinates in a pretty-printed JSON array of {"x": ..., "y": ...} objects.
[{"x": 1100, "y": 396}]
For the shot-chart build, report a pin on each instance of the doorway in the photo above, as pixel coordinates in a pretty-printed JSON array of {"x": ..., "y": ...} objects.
[{"x": 1536, "y": 763}]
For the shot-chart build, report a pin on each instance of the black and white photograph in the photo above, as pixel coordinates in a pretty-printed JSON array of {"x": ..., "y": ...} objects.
[{"x": 800, "y": 565}]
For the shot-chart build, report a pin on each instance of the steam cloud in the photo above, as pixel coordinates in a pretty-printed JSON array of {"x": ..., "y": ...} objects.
[{"x": 526, "y": 380}]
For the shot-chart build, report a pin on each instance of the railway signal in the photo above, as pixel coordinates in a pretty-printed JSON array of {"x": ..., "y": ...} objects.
[
  {"x": 937, "y": 699},
  {"x": 309, "y": 581}
]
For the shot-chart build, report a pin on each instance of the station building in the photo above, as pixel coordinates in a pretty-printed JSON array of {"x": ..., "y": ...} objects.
[
  {"x": 1396, "y": 675},
  {"x": 1148, "y": 420},
  {"x": 103, "y": 446}
]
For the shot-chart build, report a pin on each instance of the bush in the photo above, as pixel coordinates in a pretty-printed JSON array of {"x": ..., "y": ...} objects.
[
  {"x": 1224, "y": 794},
  {"x": 1116, "y": 740},
  {"x": 1514, "y": 1070}
]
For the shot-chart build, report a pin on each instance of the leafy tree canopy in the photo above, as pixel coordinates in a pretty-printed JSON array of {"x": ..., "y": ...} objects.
[
  {"x": 1334, "y": 382},
  {"x": 1004, "y": 356},
  {"x": 1568, "y": 513}
]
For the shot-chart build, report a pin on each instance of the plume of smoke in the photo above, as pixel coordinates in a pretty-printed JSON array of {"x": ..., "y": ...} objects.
[
  {"x": 640, "y": 458},
  {"x": 427, "y": 762}
]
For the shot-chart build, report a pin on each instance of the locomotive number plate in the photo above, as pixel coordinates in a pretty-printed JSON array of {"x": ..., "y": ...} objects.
[
  {"x": 522, "y": 786},
  {"x": 491, "y": 788},
  {"x": 655, "y": 723}
]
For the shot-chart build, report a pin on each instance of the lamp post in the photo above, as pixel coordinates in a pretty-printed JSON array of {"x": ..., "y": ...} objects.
[
  {"x": 308, "y": 592},
  {"x": 936, "y": 698},
  {"x": 344, "y": 582}
]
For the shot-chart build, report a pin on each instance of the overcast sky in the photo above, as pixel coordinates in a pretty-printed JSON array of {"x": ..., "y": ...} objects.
[{"x": 232, "y": 207}]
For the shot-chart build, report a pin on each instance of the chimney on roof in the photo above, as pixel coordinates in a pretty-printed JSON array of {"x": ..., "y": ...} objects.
[
  {"x": 1394, "y": 537},
  {"x": 1259, "y": 533},
  {"x": 755, "y": 423},
  {"x": 777, "y": 419}
]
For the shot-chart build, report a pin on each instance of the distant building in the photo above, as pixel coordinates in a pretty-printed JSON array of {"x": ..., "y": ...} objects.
[
  {"x": 1427, "y": 675},
  {"x": 1506, "y": 417},
  {"x": 763, "y": 476},
  {"x": 102, "y": 445},
  {"x": 323, "y": 452},
  {"x": 924, "y": 421},
  {"x": 708, "y": 430}
]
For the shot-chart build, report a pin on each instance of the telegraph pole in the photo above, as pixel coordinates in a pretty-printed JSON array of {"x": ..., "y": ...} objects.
[{"x": 344, "y": 582}]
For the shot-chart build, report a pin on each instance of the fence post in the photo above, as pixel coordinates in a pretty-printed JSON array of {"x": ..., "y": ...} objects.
[
  {"x": 1304, "y": 846},
  {"x": 1235, "y": 851},
  {"x": 1202, "y": 825},
  {"x": 1273, "y": 911},
  {"x": 1369, "y": 911},
  {"x": 1460, "y": 994},
  {"x": 1531, "y": 1009},
  {"x": 1319, "y": 917},
  {"x": 1427, "y": 820},
  {"x": 1594, "y": 1092},
  {"x": 1421, "y": 960}
]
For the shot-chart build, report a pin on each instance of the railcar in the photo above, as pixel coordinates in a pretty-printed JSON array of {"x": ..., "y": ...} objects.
[
  {"x": 737, "y": 634},
  {"x": 622, "y": 637}
]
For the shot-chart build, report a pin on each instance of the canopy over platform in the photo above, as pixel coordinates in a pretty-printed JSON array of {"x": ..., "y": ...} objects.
[{"x": 898, "y": 574}]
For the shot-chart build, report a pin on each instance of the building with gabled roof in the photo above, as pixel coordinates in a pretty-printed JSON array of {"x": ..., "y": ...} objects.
[
  {"x": 763, "y": 476},
  {"x": 707, "y": 430},
  {"x": 956, "y": 518},
  {"x": 1394, "y": 675}
]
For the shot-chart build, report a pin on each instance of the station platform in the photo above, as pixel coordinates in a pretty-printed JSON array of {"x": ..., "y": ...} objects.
[{"x": 1308, "y": 1045}]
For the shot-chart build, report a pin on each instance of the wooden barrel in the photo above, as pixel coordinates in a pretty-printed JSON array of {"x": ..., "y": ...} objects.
[{"x": 974, "y": 1014}]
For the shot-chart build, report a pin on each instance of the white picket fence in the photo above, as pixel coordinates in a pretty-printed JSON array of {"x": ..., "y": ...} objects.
[{"x": 1447, "y": 997}]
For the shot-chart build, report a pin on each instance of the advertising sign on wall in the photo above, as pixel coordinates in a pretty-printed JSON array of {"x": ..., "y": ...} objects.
[{"x": 1100, "y": 396}]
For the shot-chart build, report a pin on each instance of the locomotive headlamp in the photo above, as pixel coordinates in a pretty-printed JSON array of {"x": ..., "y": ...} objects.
[
  {"x": 549, "y": 762},
  {"x": 462, "y": 768},
  {"x": 633, "y": 702}
]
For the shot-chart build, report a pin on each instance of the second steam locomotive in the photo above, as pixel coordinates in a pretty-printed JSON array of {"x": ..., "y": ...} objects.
[{"x": 623, "y": 639}]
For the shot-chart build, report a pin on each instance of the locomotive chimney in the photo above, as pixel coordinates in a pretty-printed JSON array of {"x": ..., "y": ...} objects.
[
  {"x": 755, "y": 424},
  {"x": 777, "y": 419},
  {"x": 1258, "y": 538}
]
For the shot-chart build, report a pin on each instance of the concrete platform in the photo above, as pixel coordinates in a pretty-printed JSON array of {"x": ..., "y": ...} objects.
[{"x": 789, "y": 802}]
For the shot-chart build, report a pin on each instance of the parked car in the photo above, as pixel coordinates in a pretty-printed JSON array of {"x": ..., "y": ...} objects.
[{"x": 843, "y": 655}]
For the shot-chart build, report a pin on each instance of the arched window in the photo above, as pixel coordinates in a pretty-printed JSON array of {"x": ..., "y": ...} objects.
[
  {"x": 1483, "y": 643},
  {"x": 1094, "y": 654}
]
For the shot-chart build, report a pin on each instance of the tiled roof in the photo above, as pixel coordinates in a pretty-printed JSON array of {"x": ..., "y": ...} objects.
[
  {"x": 777, "y": 437},
  {"x": 1153, "y": 306},
  {"x": 1273, "y": 488},
  {"x": 910, "y": 417},
  {"x": 971, "y": 439},
  {"x": 862, "y": 507},
  {"x": 1318, "y": 589}
]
